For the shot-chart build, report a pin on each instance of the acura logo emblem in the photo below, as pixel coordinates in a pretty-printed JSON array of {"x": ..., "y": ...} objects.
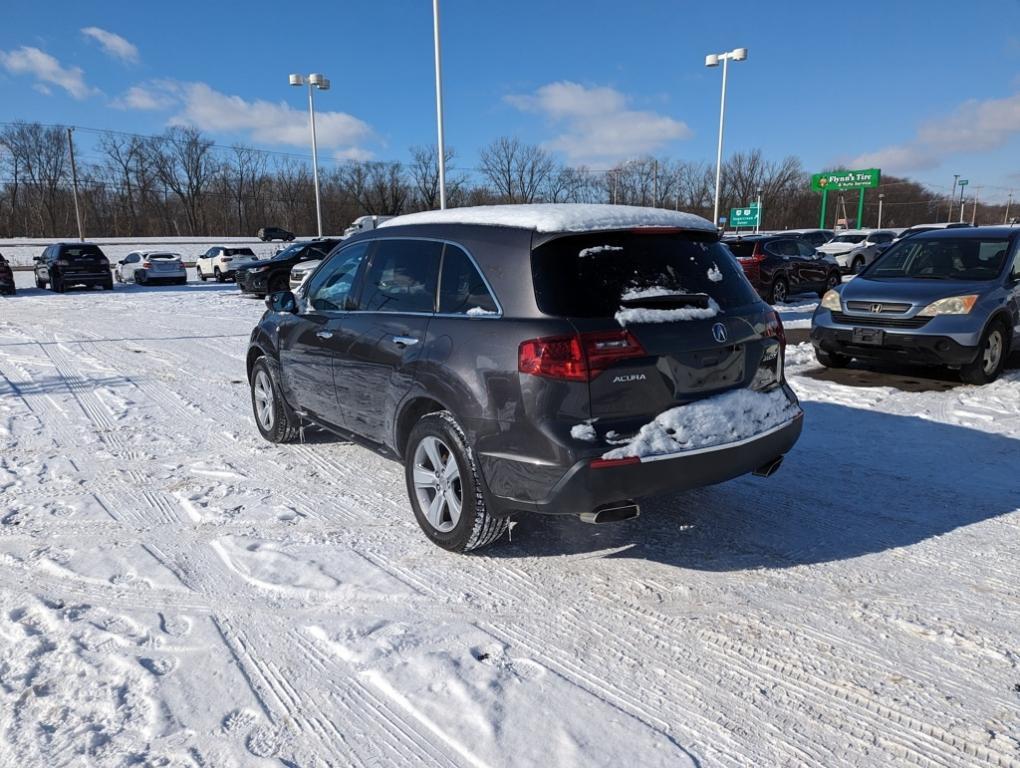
[
  {"x": 876, "y": 308},
  {"x": 719, "y": 332}
]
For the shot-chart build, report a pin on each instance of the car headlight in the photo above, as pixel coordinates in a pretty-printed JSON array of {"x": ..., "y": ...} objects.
[
  {"x": 954, "y": 305},
  {"x": 831, "y": 302}
]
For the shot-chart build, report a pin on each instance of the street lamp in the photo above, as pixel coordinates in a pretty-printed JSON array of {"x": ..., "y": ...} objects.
[
  {"x": 881, "y": 196},
  {"x": 441, "y": 160},
  {"x": 712, "y": 60},
  {"x": 321, "y": 82},
  {"x": 757, "y": 227}
]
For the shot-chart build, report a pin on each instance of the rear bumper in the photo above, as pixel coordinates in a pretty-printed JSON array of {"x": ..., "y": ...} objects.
[
  {"x": 85, "y": 278},
  {"x": 165, "y": 277},
  {"x": 583, "y": 488}
]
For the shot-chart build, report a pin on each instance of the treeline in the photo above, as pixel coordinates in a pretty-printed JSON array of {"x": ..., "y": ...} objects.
[{"x": 180, "y": 183}]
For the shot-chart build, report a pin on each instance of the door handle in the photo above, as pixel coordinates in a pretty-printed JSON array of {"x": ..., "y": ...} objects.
[
  {"x": 405, "y": 341},
  {"x": 324, "y": 334}
]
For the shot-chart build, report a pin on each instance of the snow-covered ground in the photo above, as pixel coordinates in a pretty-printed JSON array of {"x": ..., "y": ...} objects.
[{"x": 176, "y": 592}]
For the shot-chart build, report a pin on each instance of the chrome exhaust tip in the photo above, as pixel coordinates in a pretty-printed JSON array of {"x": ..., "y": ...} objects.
[
  {"x": 611, "y": 513},
  {"x": 769, "y": 468}
]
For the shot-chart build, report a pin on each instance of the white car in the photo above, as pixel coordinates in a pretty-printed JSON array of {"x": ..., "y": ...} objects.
[
  {"x": 300, "y": 272},
  {"x": 145, "y": 267},
  {"x": 854, "y": 249},
  {"x": 221, "y": 262}
]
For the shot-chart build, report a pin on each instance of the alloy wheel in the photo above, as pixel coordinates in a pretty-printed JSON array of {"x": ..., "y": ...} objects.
[
  {"x": 992, "y": 354},
  {"x": 437, "y": 483},
  {"x": 263, "y": 392}
]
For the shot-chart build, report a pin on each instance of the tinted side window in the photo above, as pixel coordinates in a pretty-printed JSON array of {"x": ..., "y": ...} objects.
[
  {"x": 331, "y": 285},
  {"x": 402, "y": 277},
  {"x": 806, "y": 250},
  {"x": 782, "y": 248},
  {"x": 461, "y": 288}
]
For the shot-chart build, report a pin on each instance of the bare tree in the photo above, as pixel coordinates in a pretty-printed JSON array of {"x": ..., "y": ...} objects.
[
  {"x": 42, "y": 154},
  {"x": 424, "y": 171},
  {"x": 517, "y": 171},
  {"x": 184, "y": 164}
]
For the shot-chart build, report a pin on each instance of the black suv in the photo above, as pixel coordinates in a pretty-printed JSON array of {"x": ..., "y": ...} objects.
[
  {"x": 557, "y": 359},
  {"x": 781, "y": 265},
  {"x": 266, "y": 234},
  {"x": 271, "y": 275},
  {"x": 6, "y": 278},
  {"x": 63, "y": 265}
]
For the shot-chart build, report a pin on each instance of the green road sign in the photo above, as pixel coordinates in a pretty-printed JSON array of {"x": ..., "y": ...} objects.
[
  {"x": 964, "y": 182},
  {"x": 744, "y": 217},
  {"x": 843, "y": 180}
]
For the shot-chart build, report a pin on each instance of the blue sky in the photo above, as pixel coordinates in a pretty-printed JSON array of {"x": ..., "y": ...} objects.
[{"x": 925, "y": 89}]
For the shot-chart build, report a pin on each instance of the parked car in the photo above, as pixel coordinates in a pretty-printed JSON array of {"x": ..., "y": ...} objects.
[
  {"x": 910, "y": 231},
  {"x": 550, "y": 358},
  {"x": 64, "y": 265},
  {"x": 854, "y": 249},
  {"x": 271, "y": 275},
  {"x": 222, "y": 261},
  {"x": 300, "y": 272},
  {"x": 268, "y": 234},
  {"x": 813, "y": 237},
  {"x": 6, "y": 278},
  {"x": 145, "y": 267},
  {"x": 945, "y": 297},
  {"x": 780, "y": 265}
]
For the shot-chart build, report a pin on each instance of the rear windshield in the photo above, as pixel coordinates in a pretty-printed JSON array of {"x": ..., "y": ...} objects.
[
  {"x": 238, "y": 252},
  {"x": 73, "y": 252},
  {"x": 742, "y": 249},
  {"x": 931, "y": 257},
  {"x": 588, "y": 275},
  {"x": 848, "y": 239}
]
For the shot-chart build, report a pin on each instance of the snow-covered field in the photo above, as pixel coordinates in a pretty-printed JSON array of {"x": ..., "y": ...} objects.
[{"x": 176, "y": 592}]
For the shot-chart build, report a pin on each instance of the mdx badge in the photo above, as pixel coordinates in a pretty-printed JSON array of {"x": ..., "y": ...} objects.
[{"x": 719, "y": 333}]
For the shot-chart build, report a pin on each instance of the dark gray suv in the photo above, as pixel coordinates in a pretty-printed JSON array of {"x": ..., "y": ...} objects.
[{"x": 555, "y": 359}]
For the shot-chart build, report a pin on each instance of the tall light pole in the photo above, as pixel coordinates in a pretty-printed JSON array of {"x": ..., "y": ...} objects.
[
  {"x": 441, "y": 160},
  {"x": 1009, "y": 202},
  {"x": 952, "y": 196},
  {"x": 881, "y": 197},
  {"x": 757, "y": 227},
  {"x": 712, "y": 60},
  {"x": 321, "y": 82},
  {"x": 74, "y": 181}
]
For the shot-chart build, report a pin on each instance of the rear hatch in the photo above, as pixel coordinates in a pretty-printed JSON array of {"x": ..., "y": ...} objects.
[
  {"x": 239, "y": 257},
  {"x": 164, "y": 262},
  {"x": 664, "y": 317},
  {"x": 82, "y": 259}
]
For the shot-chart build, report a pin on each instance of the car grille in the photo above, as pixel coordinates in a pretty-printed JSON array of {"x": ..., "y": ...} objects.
[
  {"x": 879, "y": 321},
  {"x": 883, "y": 308}
]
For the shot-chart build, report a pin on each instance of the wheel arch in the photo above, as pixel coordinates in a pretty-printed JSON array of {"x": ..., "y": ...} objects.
[{"x": 409, "y": 413}]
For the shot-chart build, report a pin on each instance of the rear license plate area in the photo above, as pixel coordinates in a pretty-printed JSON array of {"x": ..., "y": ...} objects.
[{"x": 869, "y": 336}]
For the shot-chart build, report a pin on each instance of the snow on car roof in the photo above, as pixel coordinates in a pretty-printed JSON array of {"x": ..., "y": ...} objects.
[{"x": 557, "y": 217}]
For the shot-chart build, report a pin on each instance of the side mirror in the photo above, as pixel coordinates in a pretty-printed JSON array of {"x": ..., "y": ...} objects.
[
  {"x": 281, "y": 301},
  {"x": 37, "y": 259}
]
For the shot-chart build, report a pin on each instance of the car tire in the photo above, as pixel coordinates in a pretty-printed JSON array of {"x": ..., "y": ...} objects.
[
  {"x": 832, "y": 359},
  {"x": 857, "y": 265},
  {"x": 437, "y": 439},
  {"x": 41, "y": 284},
  {"x": 275, "y": 419},
  {"x": 218, "y": 275},
  {"x": 991, "y": 356},
  {"x": 182, "y": 281},
  {"x": 141, "y": 278},
  {"x": 201, "y": 276},
  {"x": 57, "y": 285},
  {"x": 108, "y": 285},
  {"x": 779, "y": 291}
]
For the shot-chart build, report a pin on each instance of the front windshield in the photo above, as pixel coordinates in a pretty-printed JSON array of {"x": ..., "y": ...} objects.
[
  {"x": 290, "y": 250},
  {"x": 940, "y": 258},
  {"x": 847, "y": 239}
]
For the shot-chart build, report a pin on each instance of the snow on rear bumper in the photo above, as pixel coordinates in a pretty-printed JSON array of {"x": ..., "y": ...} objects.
[{"x": 590, "y": 483}]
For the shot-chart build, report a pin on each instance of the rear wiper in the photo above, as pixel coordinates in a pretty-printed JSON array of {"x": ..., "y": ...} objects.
[{"x": 668, "y": 301}]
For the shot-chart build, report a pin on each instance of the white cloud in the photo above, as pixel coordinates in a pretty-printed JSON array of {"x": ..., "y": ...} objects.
[
  {"x": 156, "y": 95},
  {"x": 112, "y": 44},
  {"x": 597, "y": 125},
  {"x": 27, "y": 60},
  {"x": 974, "y": 126},
  {"x": 265, "y": 122}
]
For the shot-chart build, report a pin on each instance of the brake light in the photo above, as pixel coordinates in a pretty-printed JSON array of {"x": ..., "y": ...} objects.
[
  {"x": 604, "y": 463},
  {"x": 227, "y": 258},
  {"x": 774, "y": 328},
  {"x": 581, "y": 357},
  {"x": 146, "y": 265}
]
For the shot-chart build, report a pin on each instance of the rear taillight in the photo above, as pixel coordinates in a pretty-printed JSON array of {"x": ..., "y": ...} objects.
[
  {"x": 227, "y": 258},
  {"x": 580, "y": 357},
  {"x": 146, "y": 265},
  {"x": 774, "y": 328},
  {"x": 758, "y": 254}
]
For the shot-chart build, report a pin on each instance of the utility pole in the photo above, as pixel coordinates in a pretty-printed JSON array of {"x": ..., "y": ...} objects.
[
  {"x": 952, "y": 197},
  {"x": 881, "y": 196},
  {"x": 973, "y": 213},
  {"x": 74, "y": 182},
  {"x": 1009, "y": 201}
]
